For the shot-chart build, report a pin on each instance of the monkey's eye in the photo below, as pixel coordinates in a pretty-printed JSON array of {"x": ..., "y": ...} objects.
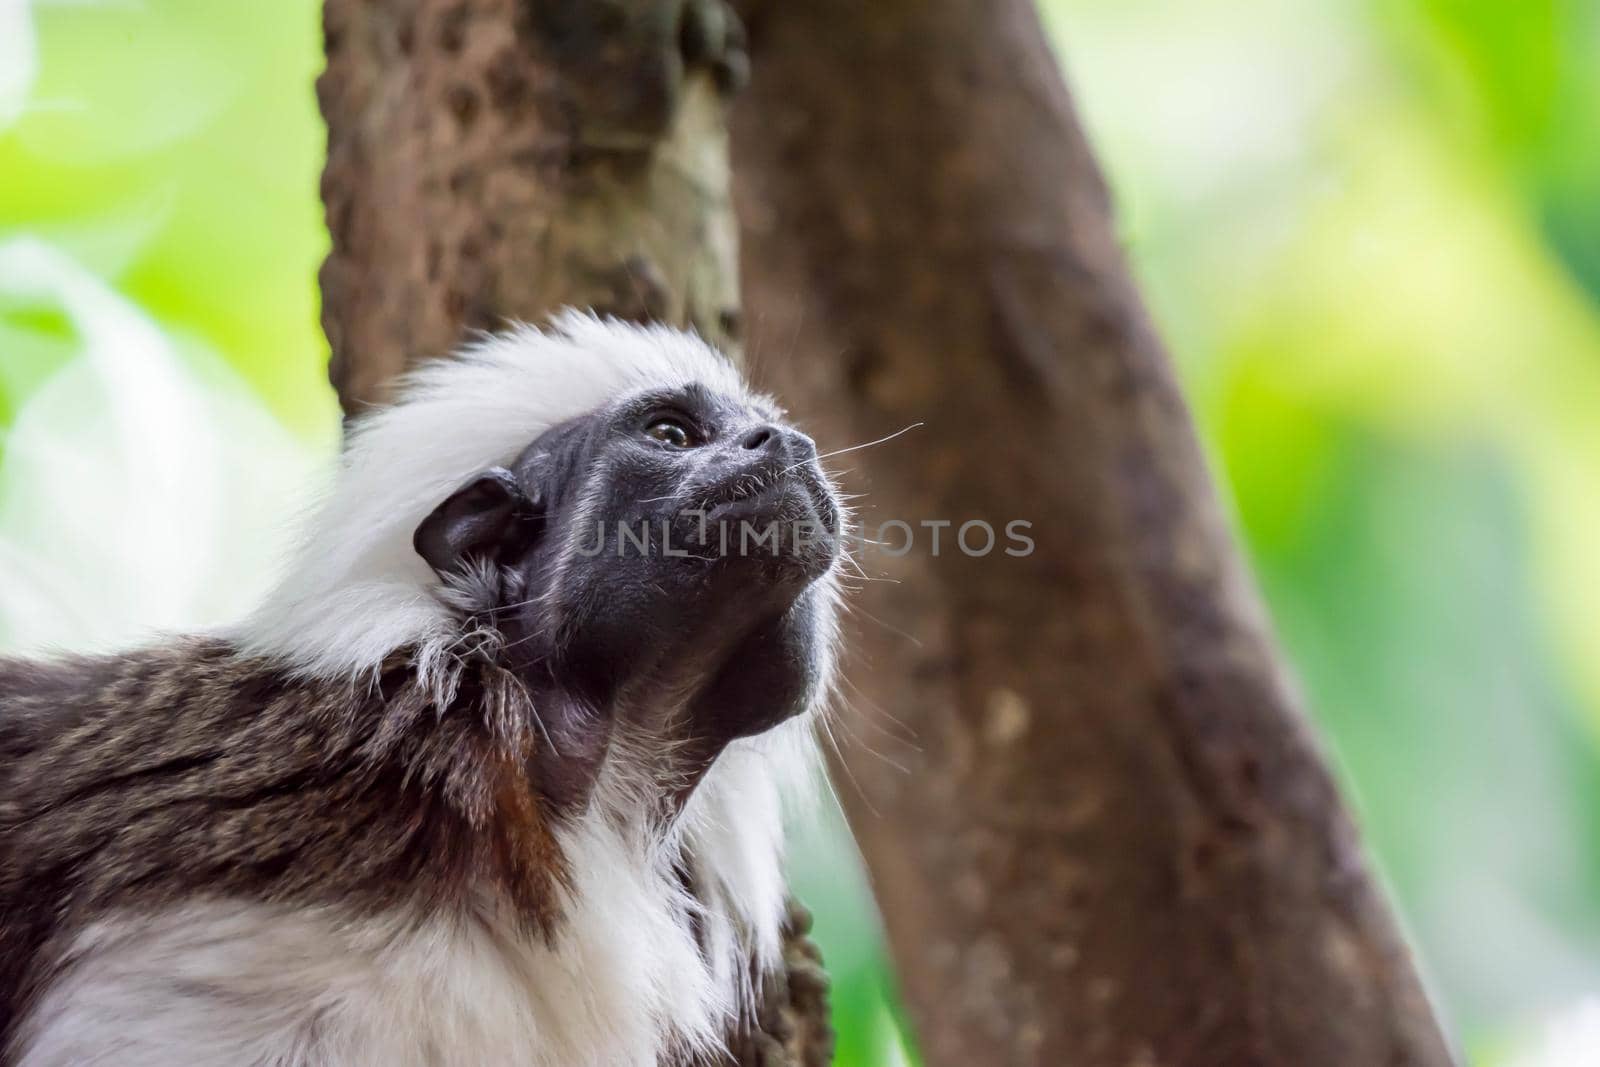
[{"x": 672, "y": 433}]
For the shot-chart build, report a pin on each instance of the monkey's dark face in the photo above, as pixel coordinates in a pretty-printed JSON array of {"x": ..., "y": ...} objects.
[{"x": 653, "y": 567}]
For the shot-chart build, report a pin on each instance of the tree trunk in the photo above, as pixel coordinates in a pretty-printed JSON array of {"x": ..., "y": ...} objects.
[
  {"x": 1114, "y": 841},
  {"x": 497, "y": 159}
]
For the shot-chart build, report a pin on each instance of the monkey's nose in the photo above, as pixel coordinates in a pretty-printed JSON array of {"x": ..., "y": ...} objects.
[
  {"x": 759, "y": 437},
  {"x": 791, "y": 444}
]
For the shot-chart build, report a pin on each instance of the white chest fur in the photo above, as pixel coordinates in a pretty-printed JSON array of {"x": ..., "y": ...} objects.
[
  {"x": 222, "y": 983},
  {"x": 227, "y": 983}
]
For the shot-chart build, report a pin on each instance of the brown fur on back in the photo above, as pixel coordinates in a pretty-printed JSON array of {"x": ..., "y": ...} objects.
[{"x": 149, "y": 777}]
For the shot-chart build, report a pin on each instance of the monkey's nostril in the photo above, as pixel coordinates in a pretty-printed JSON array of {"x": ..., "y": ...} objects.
[{"x": 757, "y": 437}]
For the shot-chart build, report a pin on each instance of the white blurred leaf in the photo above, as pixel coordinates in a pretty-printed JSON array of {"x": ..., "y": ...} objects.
[
  {"x": 135, "y": 493},
  {"x": 1570, "y": 1039},
  {"x": 19, "y": 58}
]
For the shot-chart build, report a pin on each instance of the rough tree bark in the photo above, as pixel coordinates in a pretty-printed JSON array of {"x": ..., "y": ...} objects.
[
  {"x": 497, "y": 159},
  {"x": 1116, "y": 843},
  {"x": 494, "y": 159}
]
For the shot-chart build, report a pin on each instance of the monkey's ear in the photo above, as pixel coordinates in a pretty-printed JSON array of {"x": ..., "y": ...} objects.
[{"x": 489, "y": 518}]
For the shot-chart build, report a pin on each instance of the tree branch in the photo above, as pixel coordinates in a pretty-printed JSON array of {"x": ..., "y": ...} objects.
[
  {"x": 490, "y": 159},
  {"x": 1117, "y": 842}
]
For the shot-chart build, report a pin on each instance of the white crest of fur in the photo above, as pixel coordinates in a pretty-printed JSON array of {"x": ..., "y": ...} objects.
[
  {"x": 624, "y": 983},
  {"x": 357, "y": 590}
]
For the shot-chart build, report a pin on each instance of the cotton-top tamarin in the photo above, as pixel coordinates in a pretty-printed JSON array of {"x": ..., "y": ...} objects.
[{"x": 492, "y": 778}]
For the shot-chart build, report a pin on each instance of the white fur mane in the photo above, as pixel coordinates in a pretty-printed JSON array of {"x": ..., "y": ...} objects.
[{"x": 357, "y": 590}]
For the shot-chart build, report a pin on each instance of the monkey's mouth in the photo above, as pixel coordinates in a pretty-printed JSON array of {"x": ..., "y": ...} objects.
[
  {"x": 794, "y": 493},
  {"x": 791, "y": 508}
]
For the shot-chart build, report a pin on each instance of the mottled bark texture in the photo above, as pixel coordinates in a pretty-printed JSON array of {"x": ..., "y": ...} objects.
[
  {"x": 492, "y": 160},
  {"x": 1115, "y": 841},
  {"x": 496, "y": 159}
]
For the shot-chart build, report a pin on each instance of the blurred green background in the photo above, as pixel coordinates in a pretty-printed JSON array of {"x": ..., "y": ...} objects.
[{"x": 1369, "y": 228}]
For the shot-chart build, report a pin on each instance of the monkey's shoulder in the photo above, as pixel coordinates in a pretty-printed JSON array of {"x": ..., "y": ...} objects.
[{"x": 44, "y": 698}]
